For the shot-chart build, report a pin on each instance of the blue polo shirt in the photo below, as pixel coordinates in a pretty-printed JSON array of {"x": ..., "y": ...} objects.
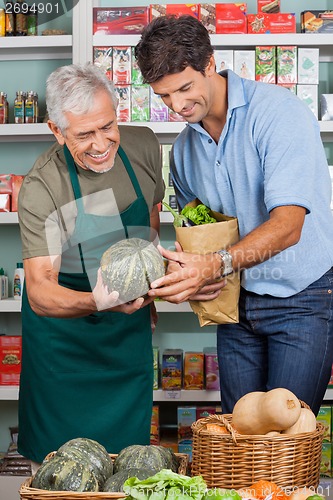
[{"x": 269, "y": 154}]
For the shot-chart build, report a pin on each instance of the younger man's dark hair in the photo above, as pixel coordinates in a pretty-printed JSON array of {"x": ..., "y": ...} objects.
[{"x": 170, "y": 44}]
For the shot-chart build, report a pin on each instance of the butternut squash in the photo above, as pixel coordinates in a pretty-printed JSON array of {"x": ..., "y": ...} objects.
[
  {"x": 263, "y": 412},
  {"x": 306, "y": 422}
]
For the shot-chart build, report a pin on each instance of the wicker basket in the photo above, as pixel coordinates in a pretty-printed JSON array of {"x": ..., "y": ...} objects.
[
  {"x": 236, "y": 461},
  {"x": 29, "y": 493}
]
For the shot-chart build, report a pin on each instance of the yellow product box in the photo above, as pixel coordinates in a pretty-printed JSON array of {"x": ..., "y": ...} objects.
[
  {"x": 325, "y": 417},
  {"x": 326, "y": 460},
  {"x": 194, "y": 370}
]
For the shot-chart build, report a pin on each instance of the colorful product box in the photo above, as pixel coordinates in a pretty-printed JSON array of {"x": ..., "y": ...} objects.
[
  {"x": 122, "y": 65},
  {"x": 286, "y": 64},
  {"x": 178, "y": 9},
  {"x": 309, "y": 95},
  {"x": 6, "y": 183},
  {"x": 136, "y": 75},
  {"x": 124, "y": 102},
  {"x": 265, "y": 64},
  {"x": 186, "y": 416},
  {"x": 194, "y": 371},
  {"x": 317, "y": 21},
  {"x": 155, "y": 426},
  {"x": 212, "y": 377},
  {"x": 271, "y": 23},
  {"x": 10, "y": 359},
  {"x": 187, "y": 448},
  {"x": 231, "y": 18},
  {"x": 205, "y": 411},
  {"x": 172, "y": 369},
  {"x": 156, "y": 355},
  {"x": 156, "y": 380},
  {"x": 325, "y": 417},
  {"x": 308, "y": 65},
  {"x": 268, "y": 6},
  {"x": 326, "y": 460},
  {"x": 224, "y": 59},
  {"x": 102, "y": 58},
  {"x": 140, "y": 106},
  {"x": 207, "y": 16},
  {"x": 120, "y": 20},
  {"x": 245, "y": 63},
  {"x": 159, "y": 112}
]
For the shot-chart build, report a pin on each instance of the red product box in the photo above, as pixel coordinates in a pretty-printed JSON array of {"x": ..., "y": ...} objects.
[
  {"x": 124, "y": 102},
  {"x": 10, "y": 359},
  {"x": 207, "y": 16},
  {"x": 268, "y": 6},
  {"x": 231, "y": 18},
  {"x": 271, "y": 23},
  {"x": 194, "y": 370},
  {"x": 17, "y": 181},
  {"x": 120, "y": 20},
  {"x": 205, "y": 411},
  {"x": 212, "y": 376},
  {"x": 177, "y": 9},
  {"x": 122, "y": 65}
]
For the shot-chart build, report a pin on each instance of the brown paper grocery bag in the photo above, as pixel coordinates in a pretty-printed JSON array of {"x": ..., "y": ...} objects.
[{"x": 207, "y": 238}]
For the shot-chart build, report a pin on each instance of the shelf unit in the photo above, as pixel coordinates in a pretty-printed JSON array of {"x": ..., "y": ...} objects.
[
  {"x": 36, "y": 47},
  {"x": 10, "y": 393}
]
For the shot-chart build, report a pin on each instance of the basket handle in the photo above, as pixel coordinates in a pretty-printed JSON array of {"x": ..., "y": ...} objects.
[{"x": 218, "y": 419}]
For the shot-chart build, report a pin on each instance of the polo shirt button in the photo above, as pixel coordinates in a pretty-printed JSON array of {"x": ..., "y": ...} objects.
[
  {"x": 218, "y": 163},
  {"x": 210, "y": 141}
]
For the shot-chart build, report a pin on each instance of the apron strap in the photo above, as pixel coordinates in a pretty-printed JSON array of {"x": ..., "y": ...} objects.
[{"x": 130, "y": 171}]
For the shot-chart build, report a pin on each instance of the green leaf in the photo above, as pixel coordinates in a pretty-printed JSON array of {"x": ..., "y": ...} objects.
[{"x": 178, "y": 219}]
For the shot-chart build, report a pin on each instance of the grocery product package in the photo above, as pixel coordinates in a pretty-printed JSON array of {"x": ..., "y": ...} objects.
[{"x": 207, "y": 238}]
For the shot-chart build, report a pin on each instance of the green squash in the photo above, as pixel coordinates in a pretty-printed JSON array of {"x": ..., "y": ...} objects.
[
  {"x": 141, "y": 456},
  {"x": 130, "y": 266},
  {"x": 90, "y": 453},
  {"x": 62, "y": 474},
  {"x": 116, "y": 482},
  {"x": 170, "y": 457}
]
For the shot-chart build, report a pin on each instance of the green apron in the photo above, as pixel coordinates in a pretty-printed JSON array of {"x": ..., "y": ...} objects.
[{"x": 93, "y": 376}]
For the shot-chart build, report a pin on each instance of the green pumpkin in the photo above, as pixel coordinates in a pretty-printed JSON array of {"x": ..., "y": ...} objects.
[
  {"x": 89, "y": 452},
  {"x": 129, "y": 267},
  {"x": 141, "y": 456},
  {"x": 116, "y": 482},
  {"x": 170, "y": 457},
  {"x": 62, "y": 474}
]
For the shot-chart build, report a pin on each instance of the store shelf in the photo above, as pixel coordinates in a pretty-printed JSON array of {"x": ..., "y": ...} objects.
[
  {"x": 10, "y": 393},
  {"x": 35, "y": 47},
  {"x": 10, "y": 305},
  {"x": 8, "y": 218}
]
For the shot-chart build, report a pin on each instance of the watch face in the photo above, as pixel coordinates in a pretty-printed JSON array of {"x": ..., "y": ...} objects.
[{"x": 227, "y": 262}]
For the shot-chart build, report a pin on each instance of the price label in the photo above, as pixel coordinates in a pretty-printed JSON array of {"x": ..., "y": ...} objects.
[{"x": 172, "y": 394}]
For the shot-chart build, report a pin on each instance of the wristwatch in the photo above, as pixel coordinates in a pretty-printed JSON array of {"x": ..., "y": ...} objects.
[{"x": 226, "y": 263}]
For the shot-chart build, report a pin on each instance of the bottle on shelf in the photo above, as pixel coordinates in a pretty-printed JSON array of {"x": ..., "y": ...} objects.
[
  {"x": 3, "y": 285},
  {"x": 10, "y": 18},
  {"x": 21, "y": 9},
  {"x": 32, "y": 21},
  {"x": 18, "y": 281},
  {"x": 19, "y": 107},
  {"x": 36, "y": 107},
  {"x": 30, "y": 107}
]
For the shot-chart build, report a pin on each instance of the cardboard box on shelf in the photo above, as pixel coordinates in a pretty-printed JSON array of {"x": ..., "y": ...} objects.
[
  {"x": 231, "y": 18},
  {"x": 286, "y": 64},
  {"x": 317, "y": 21},
  {"x": 224, "y": 59},
  {"x": 309, "y": 95},
  {"x": 186, "y": 415},
  {"x": 119, "y": 20},
  {"x": 308, "y": 65},
  {"x": 245, "y": 63},
  {"x": 271, "y": 23},
  {"x": 268, "y": 6},
  {"x": 178, "y": 9},
  {"x": 265, "y": 63},
  {"x": 325, "y": 417},
  {"x": 10, "y": 359},
  {"x": 172, "y": 369},
  {"x": 207, "y": 16},
  {"x": 194, "y": 370}
]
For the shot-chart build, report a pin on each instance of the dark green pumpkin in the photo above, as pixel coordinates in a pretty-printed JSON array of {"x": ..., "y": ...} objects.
[
  {"x": 129, "y": 266},
  {"x": 89, "y": 452},
  {"x": 142, "y": 456},
  {"x": 116, "y": 482},
  {"x": 62, "y": 474},
  {"x": 170, "y": 457}
]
